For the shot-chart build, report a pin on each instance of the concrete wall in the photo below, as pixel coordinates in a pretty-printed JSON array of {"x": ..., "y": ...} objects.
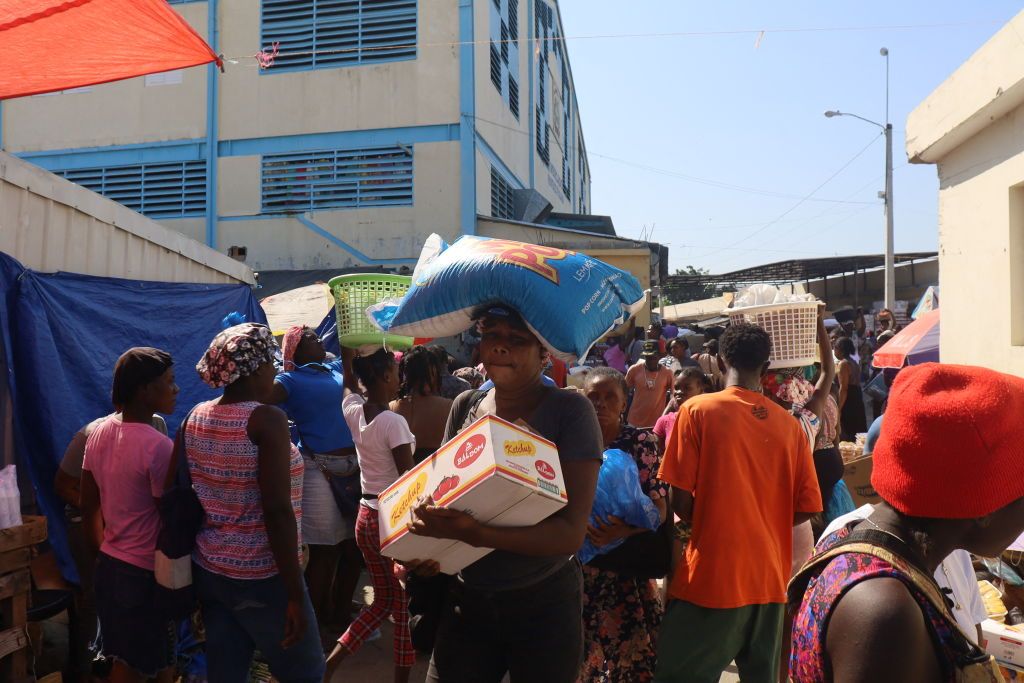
[
  {"x": 509, "y": 138},
  {"x": 865, "y": 288},
  {"x": 386, "y": 95},
  {"x": 972, "y": 126},
  {"x": 119, "y": 113},
  {"x": 981, "y": 246},
  {"x": 50, "y": 224},
  {"x": 392, "y": 235},
  {"x": 414, "y": 102}
]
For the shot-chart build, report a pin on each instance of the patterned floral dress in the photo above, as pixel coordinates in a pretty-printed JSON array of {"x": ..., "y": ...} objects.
[
  {"x": 622, "y": 615},
  {"x": 808, "y": 661}
]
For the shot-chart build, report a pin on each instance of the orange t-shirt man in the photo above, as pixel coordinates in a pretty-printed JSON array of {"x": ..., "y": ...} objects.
[{"x": 749, "y": 467}]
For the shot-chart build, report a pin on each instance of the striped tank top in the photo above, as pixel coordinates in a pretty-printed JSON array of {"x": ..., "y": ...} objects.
[{"x": 224, "y": 465}]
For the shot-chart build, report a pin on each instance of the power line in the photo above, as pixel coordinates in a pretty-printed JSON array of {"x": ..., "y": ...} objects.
[
  {"x": 236, "y": 60},
  {"x": 719, "y": 183},
  {"x": 799, "y": 203},
  {"x": 677, "y": 174}
]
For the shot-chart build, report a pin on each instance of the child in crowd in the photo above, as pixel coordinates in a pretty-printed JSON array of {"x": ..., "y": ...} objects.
[{"x": 384, "y": 445}]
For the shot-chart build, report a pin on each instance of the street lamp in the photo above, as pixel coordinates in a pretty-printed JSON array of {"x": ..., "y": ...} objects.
[{"x": 890, "y": 256}]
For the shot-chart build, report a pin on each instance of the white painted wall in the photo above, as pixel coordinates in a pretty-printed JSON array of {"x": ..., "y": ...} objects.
[{"x": 972, "y": 126}]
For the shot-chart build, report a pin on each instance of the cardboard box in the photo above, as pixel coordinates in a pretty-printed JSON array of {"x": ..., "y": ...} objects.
[
  {"x": 1003, "y": 642},
  {"x": 857, "y": 475},
  {"x": 499, "y": 473}
]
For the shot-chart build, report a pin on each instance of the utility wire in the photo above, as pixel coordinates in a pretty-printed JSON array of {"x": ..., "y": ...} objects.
[
  {"x": 676, "y": 174},
  {"x": 799, "y": 203},
  {"x": 236, "y": 60}
]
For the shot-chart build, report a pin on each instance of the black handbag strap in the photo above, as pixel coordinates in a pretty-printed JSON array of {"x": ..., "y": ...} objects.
[
  {"x": 177, "y": 469},
  {"x": 458, "y": 421}
]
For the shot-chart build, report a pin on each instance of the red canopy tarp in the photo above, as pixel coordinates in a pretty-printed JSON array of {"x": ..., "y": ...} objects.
[
  {"x": 50, "y": 45},
  {"x": 916, "y": 343}
]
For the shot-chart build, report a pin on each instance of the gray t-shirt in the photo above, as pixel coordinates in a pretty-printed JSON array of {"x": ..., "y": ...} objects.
[{"x": 566, "y": 418}]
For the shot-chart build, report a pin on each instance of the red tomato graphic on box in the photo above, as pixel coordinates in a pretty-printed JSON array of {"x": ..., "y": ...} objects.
[
  {"x": 469, "y": 451},
  {"x": 445, "y": 486},
  {"x": 545, "y": 470}
]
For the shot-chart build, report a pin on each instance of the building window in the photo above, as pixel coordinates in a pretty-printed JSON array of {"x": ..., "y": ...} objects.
[
  {"x": 513, "y": 96},
  {"x": 505, "y": 51},
  {"x": 337, "y": 179},
  {"x": 566, "y": 146},
  {"x": 336, "y": 33},
  {"x": 582, "y": 172},
  {"x": 503, "y": 203},
  {"x": 543, "y": 21},
  {"x": 495, "y": 67},
  {"x": 161, "y": 190}
]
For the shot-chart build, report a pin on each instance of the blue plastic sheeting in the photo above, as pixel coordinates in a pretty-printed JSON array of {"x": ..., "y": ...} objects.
[
  {"x": 62, "y": 334},
  {"x": 328, "y": 333}
]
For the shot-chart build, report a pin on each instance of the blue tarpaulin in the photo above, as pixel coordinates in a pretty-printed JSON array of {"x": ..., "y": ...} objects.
[{"x": 62, "y": 334}]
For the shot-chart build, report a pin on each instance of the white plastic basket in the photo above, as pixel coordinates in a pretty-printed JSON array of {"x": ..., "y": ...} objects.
[{"x": 793, "y": 328}]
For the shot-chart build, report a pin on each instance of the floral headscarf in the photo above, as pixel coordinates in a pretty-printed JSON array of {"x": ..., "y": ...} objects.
[
  {"x": 235, "y": 353},
  {"x": 789, "y": 385},
  {"x": 290, "y": 344}
]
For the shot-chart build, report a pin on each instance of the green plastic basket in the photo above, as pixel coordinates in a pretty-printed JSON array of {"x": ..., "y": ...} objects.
[{"x": 353, "y": 294}]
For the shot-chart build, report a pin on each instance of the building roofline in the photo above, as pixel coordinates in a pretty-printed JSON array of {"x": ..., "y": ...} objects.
[
  {"x": 27, "y": 175},
  {"x": 987, "y": 86}
]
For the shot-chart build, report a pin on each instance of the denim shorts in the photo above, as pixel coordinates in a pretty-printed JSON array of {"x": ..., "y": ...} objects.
[{"x": 131, "y": 627}]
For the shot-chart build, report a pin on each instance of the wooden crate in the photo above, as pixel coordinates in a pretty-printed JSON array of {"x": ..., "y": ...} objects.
[{"x": 15, "y": 587}]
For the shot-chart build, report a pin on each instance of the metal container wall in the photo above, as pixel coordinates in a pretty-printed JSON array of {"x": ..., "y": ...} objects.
[{"x": 50, "y": 224}]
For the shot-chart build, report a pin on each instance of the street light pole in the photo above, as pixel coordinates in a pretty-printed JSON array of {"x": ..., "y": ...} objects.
[
  {"x": 890, "y": 246},
  {"x": 890, "y": 253}
]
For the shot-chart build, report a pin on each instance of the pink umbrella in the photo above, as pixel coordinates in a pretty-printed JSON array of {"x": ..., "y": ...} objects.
[{"x": 916, "y": 343}]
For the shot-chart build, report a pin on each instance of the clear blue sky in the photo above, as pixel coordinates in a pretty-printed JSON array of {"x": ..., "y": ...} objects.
[{"x": 716, "y": 107}]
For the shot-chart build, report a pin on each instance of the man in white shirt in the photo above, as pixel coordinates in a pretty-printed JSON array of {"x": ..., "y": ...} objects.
[{"x": 955, "y": 577}]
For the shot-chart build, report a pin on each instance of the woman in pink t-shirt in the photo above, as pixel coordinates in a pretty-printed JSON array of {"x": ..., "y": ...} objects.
[{"x": 122, "y": 477}]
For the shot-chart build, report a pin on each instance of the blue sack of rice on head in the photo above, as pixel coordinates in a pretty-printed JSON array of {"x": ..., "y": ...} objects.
[{"x": 568, "y": 299}]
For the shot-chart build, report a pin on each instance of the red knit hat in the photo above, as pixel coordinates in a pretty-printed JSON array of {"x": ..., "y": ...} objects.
[{"x": 952, "y": 442}]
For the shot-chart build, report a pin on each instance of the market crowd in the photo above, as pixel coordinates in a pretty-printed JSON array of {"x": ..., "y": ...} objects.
[{"x": 741, "y": 464}]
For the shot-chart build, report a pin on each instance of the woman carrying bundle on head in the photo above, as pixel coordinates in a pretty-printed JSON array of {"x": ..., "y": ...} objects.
[
  {"x": 385, "y": 445},
  {"x": 511, "y": 605},
  {"x": 310, "y": 390}
]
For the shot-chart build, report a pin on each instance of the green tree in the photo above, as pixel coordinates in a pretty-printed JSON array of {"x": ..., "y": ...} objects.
[{"x": 683, "y": 293}]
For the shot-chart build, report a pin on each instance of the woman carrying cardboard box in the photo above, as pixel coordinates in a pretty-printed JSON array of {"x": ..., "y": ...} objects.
[{"x": 518, "y": 610}]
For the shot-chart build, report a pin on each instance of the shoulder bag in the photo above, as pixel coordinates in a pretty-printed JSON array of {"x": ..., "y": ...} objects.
[{"x": 181, "y": 519}]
